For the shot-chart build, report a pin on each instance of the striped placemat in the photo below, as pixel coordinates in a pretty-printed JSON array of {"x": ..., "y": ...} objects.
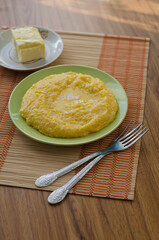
[{"x": 22, "y": 159}]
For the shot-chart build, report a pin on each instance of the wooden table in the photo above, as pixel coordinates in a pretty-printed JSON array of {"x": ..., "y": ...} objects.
[{"x": 25, "y": 214}]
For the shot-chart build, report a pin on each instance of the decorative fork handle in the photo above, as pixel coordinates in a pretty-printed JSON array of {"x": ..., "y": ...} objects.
[
  {"x": 47, "y": 179},
  {"x": 59, "y": 194}
]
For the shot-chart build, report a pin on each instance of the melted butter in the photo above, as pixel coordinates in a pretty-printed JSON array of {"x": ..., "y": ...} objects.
[{"x": 70, "y": 97}]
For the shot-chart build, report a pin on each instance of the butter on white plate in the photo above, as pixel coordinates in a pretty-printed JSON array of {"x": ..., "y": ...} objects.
[{"x": 28, "y": 43}]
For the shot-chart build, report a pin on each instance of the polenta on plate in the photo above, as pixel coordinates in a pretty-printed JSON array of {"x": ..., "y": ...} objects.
[{"x": 69, "y": 105}]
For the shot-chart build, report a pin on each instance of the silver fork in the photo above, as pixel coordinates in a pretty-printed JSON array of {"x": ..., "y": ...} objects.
[{"x": 131, "y": 134}]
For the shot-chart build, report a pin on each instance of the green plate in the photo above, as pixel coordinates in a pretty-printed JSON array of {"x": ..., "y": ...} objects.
[{"x": 26, "y": 83}]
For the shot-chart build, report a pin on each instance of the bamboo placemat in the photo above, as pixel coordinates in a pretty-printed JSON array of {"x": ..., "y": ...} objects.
[{"x": 22, "y": 159}]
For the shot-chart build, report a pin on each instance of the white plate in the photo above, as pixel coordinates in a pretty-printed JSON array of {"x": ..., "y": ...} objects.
[{"x": 9, "y": 59}]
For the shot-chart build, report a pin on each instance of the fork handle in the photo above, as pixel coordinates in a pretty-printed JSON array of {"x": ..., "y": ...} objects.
[
  {"x": 49, "y": 178},
  {"x": 59, "y": 194}
]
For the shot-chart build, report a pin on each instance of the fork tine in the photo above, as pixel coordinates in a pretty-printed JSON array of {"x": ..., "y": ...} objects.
[
  {"x": 137, "y": 126},
  {"x": 133, "y": 136},
  {"x": 132, "y": 133},
  {"x": 136, "y": 138},
  {"x": 117, "y": 138},
  {"x": 129, "y": 128}
]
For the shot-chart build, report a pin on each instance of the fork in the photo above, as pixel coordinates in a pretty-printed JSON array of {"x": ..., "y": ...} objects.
[{"x": 130, "y": 135}]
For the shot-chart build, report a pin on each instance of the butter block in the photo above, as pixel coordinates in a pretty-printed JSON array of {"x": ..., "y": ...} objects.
[{"x": 28, "y": 43}]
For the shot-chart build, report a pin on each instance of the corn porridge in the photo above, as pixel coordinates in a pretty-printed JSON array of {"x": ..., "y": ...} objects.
[{"x": 69, "y": 105}]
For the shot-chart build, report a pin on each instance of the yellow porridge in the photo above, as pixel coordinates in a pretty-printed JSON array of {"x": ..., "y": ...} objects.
[{"x": 69, "y": 105}]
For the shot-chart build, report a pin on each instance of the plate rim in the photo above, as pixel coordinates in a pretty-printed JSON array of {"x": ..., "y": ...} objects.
[
  {"x": 66, "y": 143},
  {"x": 37, "y": 67}
]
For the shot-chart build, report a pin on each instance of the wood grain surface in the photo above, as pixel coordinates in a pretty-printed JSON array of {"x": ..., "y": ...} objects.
[{"x": 25, "y": 214}]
